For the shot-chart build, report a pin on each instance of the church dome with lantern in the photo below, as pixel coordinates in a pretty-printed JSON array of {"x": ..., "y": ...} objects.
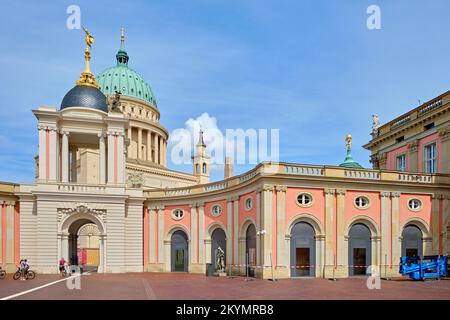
[{"x": 123, "y": 79}]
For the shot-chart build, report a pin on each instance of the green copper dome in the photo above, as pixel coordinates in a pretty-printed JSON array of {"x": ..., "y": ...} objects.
[
  {"x": 125, "y": 80},
  {"x": 349, "y": 162}
]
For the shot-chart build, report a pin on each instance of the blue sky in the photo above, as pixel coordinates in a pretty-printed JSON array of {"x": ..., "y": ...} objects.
[{"x": 310, "y": 68}]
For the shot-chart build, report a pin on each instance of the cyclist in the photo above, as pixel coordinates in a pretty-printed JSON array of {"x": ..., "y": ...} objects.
[{"x": 62, "y": 263}]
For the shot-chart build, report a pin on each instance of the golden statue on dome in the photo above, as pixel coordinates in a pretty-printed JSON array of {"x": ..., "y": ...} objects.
[
  {"x": 86, "y": 77},
  {"x": 348, "y": 139}
]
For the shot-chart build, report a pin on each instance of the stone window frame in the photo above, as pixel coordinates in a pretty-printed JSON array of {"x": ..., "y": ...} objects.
[
  {"x": 419, "y": 208},
  {"x": 248, "y": 207},
  {"x": 175, "y": 216},
  {"x": 368, "y": 204},
  {"x": 216, "y": 206},
  {"x": 304, "y": 205}
]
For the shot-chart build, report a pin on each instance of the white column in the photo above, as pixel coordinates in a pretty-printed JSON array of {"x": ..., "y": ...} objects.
[
  {"x": 164, "y": 159},
  {"x": 121, "y": 158},
  {"x": 160, "y": 146},
  {"x": 139, "y": 145},
  {"x": 42, "y": 153},
  {"x": 102, "y": 159},
  {"x": 65, "y": 157},
  {"x": 110, "y": 158},
  {"x": 149, "y": 146},
  {"x": 73, "y": 168},
  {"x": 130, "y": 130},
  {"x": 53, "y": 155},
  {"x": 156, "y": 148}
]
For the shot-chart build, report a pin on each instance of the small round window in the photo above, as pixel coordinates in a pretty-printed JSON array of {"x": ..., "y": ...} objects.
[
  {"x": 177, "y": 214},
  {"x": 415, "y": 204},
  {"x": 216, "y": 210},
  {"x": 304, "y": 199},
  {"x": 248, "y": 203},
  {"x": 361, "y": 202}
]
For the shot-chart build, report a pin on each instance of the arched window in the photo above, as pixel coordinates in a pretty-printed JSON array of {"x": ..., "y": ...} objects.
[
  {"x": 204, "y": 168},
  {"x": 412, "y": 242},
  {"x": 303, "y": 250},
  {"x": 359, "y": 249},
  {"x": 179, "y": 251},
  {"x": 197, "y": 168}
]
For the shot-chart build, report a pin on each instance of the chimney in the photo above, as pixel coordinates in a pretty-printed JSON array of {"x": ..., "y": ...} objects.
[{"x": 228, "y": 168}]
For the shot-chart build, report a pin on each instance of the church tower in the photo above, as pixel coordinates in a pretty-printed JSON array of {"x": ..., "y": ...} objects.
[{"x": 201, "y": 161}]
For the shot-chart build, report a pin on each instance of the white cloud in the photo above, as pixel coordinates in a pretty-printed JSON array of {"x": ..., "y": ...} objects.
[{"x": 245, "y": 146}]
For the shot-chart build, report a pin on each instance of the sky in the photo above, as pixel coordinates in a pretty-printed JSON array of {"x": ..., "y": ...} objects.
[{"x": 311, "y": 69}]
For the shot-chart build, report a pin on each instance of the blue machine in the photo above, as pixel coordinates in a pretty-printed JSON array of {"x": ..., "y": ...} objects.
[{"x": 421, "y": 269}]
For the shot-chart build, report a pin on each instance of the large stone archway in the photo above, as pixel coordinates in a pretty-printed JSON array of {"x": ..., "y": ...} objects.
[{"x": 71, "y": 220}]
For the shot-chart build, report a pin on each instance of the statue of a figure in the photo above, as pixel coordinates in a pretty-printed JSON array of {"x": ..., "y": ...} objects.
[
  {"x": 220, "y": 260},
  {"x": 114, "y": 102},
  {"x": 375, "y": 124},
  {"x": 348, "y": 140},
  {"x": 89, "y": 38}
]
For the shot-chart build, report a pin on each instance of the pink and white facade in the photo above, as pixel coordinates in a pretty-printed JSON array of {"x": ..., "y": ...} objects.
[{"x": 107, "y": 169}]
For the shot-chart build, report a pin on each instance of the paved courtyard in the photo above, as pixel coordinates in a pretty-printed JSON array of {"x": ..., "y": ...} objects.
[{"x": 188, "y": 286}]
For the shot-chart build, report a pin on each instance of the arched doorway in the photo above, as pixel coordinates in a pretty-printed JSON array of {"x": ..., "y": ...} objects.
[
  {"x": 89, "y": 245},
  {"x": 250, "y": 249},
  {"x": 359, "y": 249},
  {"x": 84, "y": 244},
  {"x": 412, "y": 244},
  {"x": 81, "y": 222},
  {"x": 303, "y": 250},
  {"x": 179, "y": 252},
  {"x": 218, "y": 240}
]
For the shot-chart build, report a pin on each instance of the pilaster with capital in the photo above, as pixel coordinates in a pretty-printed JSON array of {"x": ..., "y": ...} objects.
[
  {"x": 395, "y": 231},
  {"x": 436, "y": 223},
  {"x": 413, "y": 155},
  {"x": 193, "y": 236},
  {"x": 160, "y": 214},
  {"x": 102, "y": 159},
  {"x": 229, "y": 253},
  {"x": 341, "y": 250},
  {"x": 330, "y": 231},
  {"x": 385, "y": 226},
  {"x": 266, "y": 224},
  {"x": 282, "y": 250},
  {"x": 201, "y": 232},
  {"x": 236, "y": 231},
  {"x": 152, "y": 232}
]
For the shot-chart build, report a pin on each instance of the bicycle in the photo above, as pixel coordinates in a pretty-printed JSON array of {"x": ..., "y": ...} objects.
[
  {"x": 64, "y": 272},
  {"x": 29, "y": 274},
  {"x": 2, "y": 274}
]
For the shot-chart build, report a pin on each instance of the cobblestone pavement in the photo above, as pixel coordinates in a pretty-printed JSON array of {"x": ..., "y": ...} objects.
[{"x": 180, "y": 286}]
